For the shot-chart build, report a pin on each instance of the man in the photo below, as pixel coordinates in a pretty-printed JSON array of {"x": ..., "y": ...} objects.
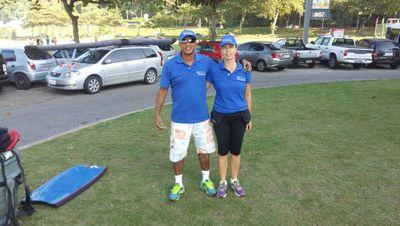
[{"x": 186, "y": 75}]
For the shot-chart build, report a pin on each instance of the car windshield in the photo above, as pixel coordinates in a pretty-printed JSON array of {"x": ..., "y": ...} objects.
[
  {"x": 273, "y": 46},
  {"x": 343, "y": 42},
  {"x": 37, "y": 55},
  {"x": 92, "y": 56}
]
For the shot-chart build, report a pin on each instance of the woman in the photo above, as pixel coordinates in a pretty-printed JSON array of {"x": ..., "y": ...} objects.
[{"x": 231, "y": 112}]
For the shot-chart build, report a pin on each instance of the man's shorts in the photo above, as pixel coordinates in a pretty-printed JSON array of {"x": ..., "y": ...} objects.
[{"x": 180, "y": 139}]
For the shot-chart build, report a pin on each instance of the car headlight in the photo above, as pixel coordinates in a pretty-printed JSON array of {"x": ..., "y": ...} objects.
[{"x": 71, "y": 74}]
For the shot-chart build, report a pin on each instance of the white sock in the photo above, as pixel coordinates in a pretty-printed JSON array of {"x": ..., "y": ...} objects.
[
  {"x": 223, "y": 182},
  {"x": 233, "y": 180},
  {"x": 205, "y": 174},
  {"x": 178, "y": 179}
]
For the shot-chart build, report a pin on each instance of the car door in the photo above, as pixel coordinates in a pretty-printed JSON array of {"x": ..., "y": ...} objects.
[
  {"x": 114, "y": 67},
  {"x": 10, "y": 58},
  {"x": 243, "y": 51},
  {"x": 137, "y": 63},
  {"x": 256, "y": 52},
  {"x": 324, "y": 48}
]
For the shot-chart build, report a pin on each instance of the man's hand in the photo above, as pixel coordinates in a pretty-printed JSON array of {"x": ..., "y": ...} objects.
[
  {"x": 159, "y": 123},
  {"x": 249, "y": 126},
  {"x": 246, "y": 65}
]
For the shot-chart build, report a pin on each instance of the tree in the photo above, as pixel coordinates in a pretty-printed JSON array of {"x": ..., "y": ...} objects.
[
  {"x": 213, "y": 14},
  {"x": 242, "y": 7}
]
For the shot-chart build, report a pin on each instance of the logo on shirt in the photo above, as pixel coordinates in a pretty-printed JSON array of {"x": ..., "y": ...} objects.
[
  {"x": 201, "y": 73},
  {"x": 241, "y": 78}
]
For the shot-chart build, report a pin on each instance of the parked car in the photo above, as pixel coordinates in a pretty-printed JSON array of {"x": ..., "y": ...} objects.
[
  {"x": 384, "y": 51},
  {"x": 64, "y": 56},
  {"x": 341, "y": 50},
  {"x": 211, "y": 49},
  {"x": 27, "y": 66},
  {"x": 107, "y": 66},
  {"x": 263, "y": 55},
  {"x": 166, "y": 51},
  {"x": 302, "y": 54},
  {"x": 3, "y": 72}
]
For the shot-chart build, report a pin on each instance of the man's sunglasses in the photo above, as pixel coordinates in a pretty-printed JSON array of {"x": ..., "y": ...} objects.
[{"x": 189, "y": 40}]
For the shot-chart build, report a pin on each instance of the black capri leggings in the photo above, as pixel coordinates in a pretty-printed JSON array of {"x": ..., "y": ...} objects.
[{"x": 229, "y": 130}]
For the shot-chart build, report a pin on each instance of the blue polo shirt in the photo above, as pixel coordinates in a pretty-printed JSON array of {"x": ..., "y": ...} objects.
[
  {"x": 230, "y": 88},
  {"x": 188, "y": 87}
]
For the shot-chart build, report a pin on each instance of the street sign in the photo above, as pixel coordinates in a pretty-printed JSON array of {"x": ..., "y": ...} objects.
[{"x": 320, "y": 10}]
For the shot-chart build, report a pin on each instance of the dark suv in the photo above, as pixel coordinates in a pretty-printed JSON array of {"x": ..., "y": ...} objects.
[
  {"x": 3, "y": 72},
  {"x": 385, "y": 51}
]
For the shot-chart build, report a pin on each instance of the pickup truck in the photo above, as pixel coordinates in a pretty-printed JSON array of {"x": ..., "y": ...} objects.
[
  {"x": 341, "y": 50},
  {"x": 302, "y": 54},
  {"x": 3, "y": 72}
]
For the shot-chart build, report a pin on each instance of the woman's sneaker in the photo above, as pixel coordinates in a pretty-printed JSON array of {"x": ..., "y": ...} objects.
[
  {"x": 238, "y": 190},
  {"x": 221, "y": 191}
]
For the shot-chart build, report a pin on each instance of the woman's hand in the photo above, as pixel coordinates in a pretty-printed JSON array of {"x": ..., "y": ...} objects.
[{"x": 249, "y": 126}]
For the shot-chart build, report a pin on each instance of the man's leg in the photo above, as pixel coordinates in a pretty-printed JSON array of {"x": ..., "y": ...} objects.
[
  {"x": 204, "y": 140},
  {"x": 180, "y": 138}
]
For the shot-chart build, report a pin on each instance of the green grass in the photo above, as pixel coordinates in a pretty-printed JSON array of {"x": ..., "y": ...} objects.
[{"x": 321, "y": 154}]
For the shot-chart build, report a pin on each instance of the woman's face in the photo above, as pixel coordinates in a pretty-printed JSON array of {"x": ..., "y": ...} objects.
[{"x": 228, "y": 52}]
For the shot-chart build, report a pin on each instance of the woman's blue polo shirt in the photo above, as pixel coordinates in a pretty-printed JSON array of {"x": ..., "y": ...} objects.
[
  {"x": 230, "y": 88},
  {"x": 188, "y": 88}
]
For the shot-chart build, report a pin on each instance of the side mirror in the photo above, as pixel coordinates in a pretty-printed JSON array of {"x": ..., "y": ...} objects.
[{"x": 312, "y": 42}]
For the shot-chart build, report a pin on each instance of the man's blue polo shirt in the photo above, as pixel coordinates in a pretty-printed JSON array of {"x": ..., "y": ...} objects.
[
  {"x": 188, "y": 86},
  {"x": 230, "y": 88}
]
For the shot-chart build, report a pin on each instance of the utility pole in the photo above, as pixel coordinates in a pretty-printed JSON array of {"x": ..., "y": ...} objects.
[{"x": 307, "y": 17}]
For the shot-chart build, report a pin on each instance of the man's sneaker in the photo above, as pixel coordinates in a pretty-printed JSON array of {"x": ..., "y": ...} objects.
[
  {"x": 239, "y": 191},
  {"x": 208, "y": 187},
  {"x": 221, "y": 191},
  {"x": 176, "y": 192}
]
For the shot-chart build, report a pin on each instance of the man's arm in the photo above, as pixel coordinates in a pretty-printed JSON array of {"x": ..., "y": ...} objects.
[
  {"x": 161, "y": 95},
  {"x": 246, "y": 65}
]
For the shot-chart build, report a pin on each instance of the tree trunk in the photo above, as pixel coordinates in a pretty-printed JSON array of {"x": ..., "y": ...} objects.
[
  {"x": 300, "y": 20},
  {"x": 273, "y": 25},
  {"x": 69, "y": 8},
  {"x": 358, "y": 22},
  {"x": 213, "y": 22},
  {"x": 242, "y": 20},
  {"x": 366, "y": 21},
  {"x": 199, "y": 23}
]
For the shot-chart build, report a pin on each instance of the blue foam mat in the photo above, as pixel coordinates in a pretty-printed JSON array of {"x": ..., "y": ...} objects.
[{"x": 67, "y": 185}]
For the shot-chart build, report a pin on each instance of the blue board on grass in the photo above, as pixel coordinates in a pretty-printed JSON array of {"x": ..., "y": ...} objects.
[{"x": 67, "y": 185}]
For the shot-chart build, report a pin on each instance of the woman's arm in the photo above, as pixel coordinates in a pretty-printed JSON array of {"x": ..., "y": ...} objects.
[{"x": 247, "y": 96}]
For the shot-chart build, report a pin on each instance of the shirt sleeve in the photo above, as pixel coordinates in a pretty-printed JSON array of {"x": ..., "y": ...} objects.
[
  {"x": 165, "y": 77},
  {"x": 248, "y": 77},
  {"x": 211, "y": 64}
]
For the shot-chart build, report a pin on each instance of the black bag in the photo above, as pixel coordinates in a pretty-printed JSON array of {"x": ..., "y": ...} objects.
[
  {"x": 11, "y": 177},
  {"x": 246, "y": 116}
]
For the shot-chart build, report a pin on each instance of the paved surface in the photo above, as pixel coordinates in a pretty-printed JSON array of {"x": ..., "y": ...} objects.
[{"x": 41, "y": 112}]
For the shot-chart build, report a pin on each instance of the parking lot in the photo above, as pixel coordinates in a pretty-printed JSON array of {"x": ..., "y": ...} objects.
[{"x": 41, "y": 112}]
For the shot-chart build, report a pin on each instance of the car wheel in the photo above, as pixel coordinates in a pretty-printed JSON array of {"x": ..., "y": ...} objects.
[
  {"x": 280, "y": 68},
  {"x": 150, "y": 77},
  {"x": 332, "y": 62},
  {"x": 356, "y": 66},
  {"x": 311, "y": 65},
  {"x": 394, "y": 66},
  {"x": 92, "y": 84},
  {"x": 21, "y": 81},
  {"x": 261, "y": 65}
]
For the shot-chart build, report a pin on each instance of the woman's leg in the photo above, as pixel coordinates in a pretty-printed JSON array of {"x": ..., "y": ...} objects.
[
  {"x": 238, "y": 128},
  {"x": 222, "y": 133}
]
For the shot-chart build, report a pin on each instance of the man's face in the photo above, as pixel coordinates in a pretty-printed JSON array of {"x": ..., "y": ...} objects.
[{"x": 188, "y": 45}]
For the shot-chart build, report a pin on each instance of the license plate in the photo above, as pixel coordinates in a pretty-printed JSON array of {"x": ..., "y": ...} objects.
[
  {"x": 359, "y": 61},
  {"x": 52, "y": 82},
  {"x": 308, "y": 61},
  {"x": 388, "y": 54},
  {"x": 286, "y": 56}
]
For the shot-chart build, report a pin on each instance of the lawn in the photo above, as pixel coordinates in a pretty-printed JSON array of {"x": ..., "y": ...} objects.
[{"x": 320, "y": 154}]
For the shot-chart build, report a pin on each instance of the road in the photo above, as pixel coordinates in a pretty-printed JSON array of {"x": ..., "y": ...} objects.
[{"x": 41, "y": 112}]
